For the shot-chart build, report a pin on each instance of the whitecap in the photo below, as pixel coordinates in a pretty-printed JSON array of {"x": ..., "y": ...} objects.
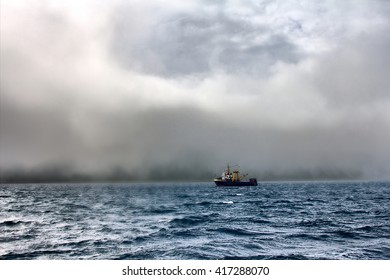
[{"x": 227, "y": 202}]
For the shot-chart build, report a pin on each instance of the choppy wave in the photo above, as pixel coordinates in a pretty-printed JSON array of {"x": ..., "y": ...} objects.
[{"x": 327, "y": 220}]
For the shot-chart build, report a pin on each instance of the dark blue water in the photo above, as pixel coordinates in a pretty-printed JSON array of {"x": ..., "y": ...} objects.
[{"x": 284, "y": 220}]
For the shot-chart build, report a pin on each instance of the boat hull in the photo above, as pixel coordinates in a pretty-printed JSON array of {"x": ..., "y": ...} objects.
[{"x": 229, "y": 183}]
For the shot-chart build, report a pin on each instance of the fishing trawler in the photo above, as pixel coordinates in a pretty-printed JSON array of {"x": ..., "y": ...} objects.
[{"x": 232, "y": 179}]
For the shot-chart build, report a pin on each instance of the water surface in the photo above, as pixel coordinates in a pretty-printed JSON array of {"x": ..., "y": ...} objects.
[{"x": 283, "y": 220}]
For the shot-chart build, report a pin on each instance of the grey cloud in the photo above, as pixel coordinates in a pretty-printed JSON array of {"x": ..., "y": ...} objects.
[
  {"x": 356, "y": 73},
  {"x": 258, "y": 59},
  {"x": 72, "y": 113},
  {"x": 189, "y": 44}
]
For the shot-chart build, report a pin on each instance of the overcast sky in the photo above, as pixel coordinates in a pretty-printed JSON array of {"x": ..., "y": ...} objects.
[{"x": 274, "y": 86}]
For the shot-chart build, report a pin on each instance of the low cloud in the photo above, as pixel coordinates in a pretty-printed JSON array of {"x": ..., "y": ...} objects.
[{"x": 151, "y": 91}]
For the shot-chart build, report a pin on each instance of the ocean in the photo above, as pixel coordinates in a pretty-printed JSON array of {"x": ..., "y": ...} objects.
[{"x": 274, "y": 220}]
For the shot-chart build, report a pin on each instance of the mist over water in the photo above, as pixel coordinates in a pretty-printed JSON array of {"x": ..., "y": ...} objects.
[{"x": 281, "y": 220}]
